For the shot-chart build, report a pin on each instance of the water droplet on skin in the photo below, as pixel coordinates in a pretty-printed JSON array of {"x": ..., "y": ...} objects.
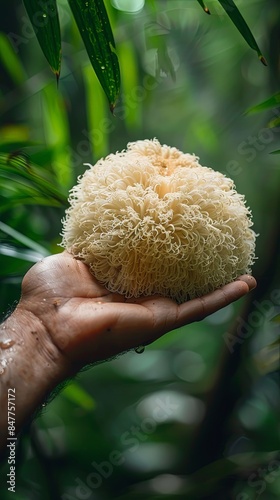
[
  {"x": 10, "y": 360},
  {"x": 1, "y": 371},
  {"x": 140, "y": 349},
  {"x": 4, "y": 362},
  {"x": 5, "y": 344}
]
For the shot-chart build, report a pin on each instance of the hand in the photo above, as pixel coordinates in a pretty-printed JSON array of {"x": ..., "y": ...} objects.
[
  {"x": 65, "y": 319},
  {"x": 87, "y": 323}
]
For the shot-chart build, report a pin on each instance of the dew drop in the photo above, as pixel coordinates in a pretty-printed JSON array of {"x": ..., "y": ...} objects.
[
  {"x": 102, "y": 67},
  {"x": 44, "y": 15},
  {"x": 5, "y": 344},
  {"x": 140, "y": 349}
]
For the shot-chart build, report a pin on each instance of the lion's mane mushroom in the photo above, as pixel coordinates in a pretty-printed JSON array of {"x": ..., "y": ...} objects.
[{"x": 152, "y": 220}]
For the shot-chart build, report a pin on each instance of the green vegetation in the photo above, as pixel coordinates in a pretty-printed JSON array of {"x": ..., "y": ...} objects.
[{"x": 197, "y": 414}]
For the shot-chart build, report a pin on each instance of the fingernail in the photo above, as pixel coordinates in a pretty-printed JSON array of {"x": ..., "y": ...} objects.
[{"x": 250, "y": 280}]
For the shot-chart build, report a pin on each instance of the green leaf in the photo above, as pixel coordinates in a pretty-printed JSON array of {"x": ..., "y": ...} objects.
[
  {"x": 18, "y": 253},
  {"x": 24, "y": 240},
  {"x": 45, "y": 22},
  {"x": 76, "y": 394},
  {"x": 240, "y": 23},
  {"x": 25, "y": 182},
  {"x": 204, "y": 6},
  {"x": 56, "y": 132},
  {"x": 130, "y": 81},
  {"x": 95, "y": 115},
  {"x": 276, "y": 152},
  {"x": 11, "y": 61},
  {"x": 275, "y": 122},
  {"x": 276, "y": 319},
  {"x": 271, "y": 102},
  {"x": 94, "y": 26}
]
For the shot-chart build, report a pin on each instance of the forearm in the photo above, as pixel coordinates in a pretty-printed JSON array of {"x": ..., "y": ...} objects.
[{"x": 30, "y": 368}]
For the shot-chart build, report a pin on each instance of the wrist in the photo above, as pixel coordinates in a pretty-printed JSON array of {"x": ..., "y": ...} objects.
[{"x": 30, "y": 364}]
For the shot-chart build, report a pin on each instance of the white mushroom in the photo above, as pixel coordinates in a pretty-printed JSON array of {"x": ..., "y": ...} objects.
[{"x": 152, "y": 220}]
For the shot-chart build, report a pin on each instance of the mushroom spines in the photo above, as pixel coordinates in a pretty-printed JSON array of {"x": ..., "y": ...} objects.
[{"x": 153, "y": 220}]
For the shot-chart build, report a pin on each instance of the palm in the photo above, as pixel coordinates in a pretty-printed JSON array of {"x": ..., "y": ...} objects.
[{"x": 88, "y": 323}]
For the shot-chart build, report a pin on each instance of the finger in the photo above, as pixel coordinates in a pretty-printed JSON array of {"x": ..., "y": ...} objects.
[
  {"x": 250, "y": 280},
  {"x": 198, "y": 309}
]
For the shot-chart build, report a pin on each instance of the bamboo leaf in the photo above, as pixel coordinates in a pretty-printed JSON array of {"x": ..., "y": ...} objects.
[
  {"x": 56, "y": 133},
  {"x": 19, "y": 253},
  {"x": 204, "y": 6},
  {"x": 130, "y": 81},
  {"x": 11, "y": 61},
  {"x": 240, "y": 23},
  {"x": 24, "y": 240},
  {"x": 94, "y": 26},
  {"x": 275, "y": 122},
  {"x": 271, "y": 102},
  {"x": 27, "y": 179},
  {"x": 95, "y": 114},
  {"x": 45, "y": 22}
]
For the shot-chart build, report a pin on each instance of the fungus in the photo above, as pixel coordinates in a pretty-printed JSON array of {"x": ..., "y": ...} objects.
[{"x": 152, "y": 220}]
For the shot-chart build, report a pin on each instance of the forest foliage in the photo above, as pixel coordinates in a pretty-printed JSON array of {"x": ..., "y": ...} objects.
[{"x": 193, "y": 81}]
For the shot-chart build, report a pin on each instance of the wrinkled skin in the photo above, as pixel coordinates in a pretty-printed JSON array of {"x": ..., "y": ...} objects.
[
  {"x": 65, "y": 319},
  {"x": 87, "y": 323}
]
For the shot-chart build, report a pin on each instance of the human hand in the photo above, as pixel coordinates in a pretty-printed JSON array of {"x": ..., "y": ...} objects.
[
  {"x": 66, "y": 319},
  {"x": 87, "y": 323}
]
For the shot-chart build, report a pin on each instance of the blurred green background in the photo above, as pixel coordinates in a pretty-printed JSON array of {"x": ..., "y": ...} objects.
[{"x": 197, "y": 414}]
